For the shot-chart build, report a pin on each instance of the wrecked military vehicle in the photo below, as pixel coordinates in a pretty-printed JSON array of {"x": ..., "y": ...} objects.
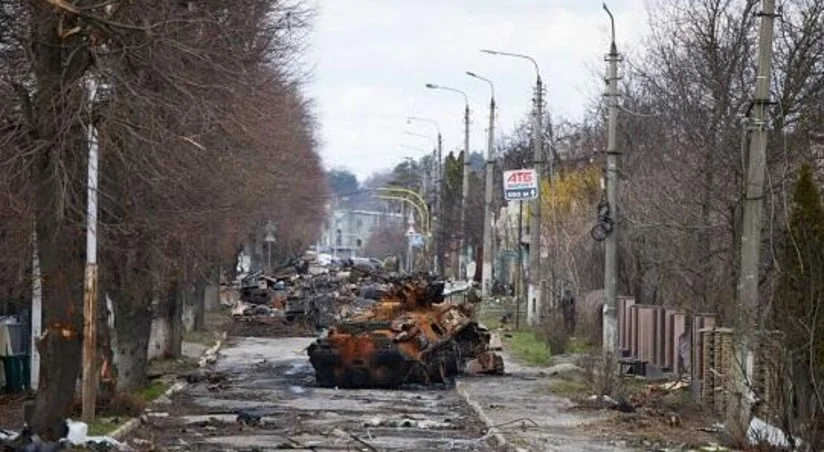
[{"x": 411, "y": 335}]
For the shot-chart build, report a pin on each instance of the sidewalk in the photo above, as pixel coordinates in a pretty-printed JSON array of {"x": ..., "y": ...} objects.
[{"x": 522, "y": 410}]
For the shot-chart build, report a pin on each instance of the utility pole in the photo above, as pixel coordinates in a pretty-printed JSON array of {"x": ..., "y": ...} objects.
[
  {"x": 36, "y": 313},
  {"x": 521, "y": 282},
  {"x": 438, "y": 234},
  {"x": 486, "y": 270},
  {"x": 462, "y": 259},
  {"x": 486, "y": 274},
  {"x": 534, "y": 291},
  {"x": 534, "y": 313},
  {"x": 89, "y": 378},
  {"x": 740, "y": 410},
  {"x": 610, "y": 322},
  {"x": 461, "y": 273}
]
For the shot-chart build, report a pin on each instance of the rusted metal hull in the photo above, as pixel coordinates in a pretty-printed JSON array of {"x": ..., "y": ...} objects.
[{"x": 410, "y": 336}]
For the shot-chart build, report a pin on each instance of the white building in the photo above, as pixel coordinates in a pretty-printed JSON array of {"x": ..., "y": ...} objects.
[{"x": 347, "y": 231}]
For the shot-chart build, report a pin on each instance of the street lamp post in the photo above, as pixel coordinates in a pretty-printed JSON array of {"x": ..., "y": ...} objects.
[
  {"x": 487, "y": 254},
  {"x": 465, "y": 184},
  {"x": 535, "y": 292},
  {"x": 269, "y": 239},
  {"x": 438, "y": 189}
]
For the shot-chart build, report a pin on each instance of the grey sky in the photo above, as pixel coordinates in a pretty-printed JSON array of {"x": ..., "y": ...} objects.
[{"x": 371, "y": 59}]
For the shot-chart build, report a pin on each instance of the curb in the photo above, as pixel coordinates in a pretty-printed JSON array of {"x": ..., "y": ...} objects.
[
  {"x": 491, "y": 430},
  {"x": 132, "y": 424}
]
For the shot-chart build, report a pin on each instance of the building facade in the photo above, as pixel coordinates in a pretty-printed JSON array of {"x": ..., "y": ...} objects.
[{"x": 347, "y": 231}]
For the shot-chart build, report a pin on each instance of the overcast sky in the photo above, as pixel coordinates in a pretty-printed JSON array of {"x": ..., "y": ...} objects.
[{"x": 370, "y": 60}]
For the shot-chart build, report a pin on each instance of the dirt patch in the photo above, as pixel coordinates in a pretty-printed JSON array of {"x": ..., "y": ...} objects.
[
  {"x": 659, "y": 418},
  {"x": 11, "y": 410}
]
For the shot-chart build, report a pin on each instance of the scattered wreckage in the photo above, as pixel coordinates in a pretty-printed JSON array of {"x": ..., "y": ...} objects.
[
  {"x": 411, "y": 335},
  {"x": 298, "y": 298},
  {"x": 379, "y": 329}
]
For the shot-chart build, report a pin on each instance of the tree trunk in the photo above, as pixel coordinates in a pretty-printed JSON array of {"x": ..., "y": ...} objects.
[
  {"x": 61, "y": 349},
  {"x": 200, "y": 304},
  {"x": 58, "y": 170},
  {"x": 133, "y": 321},
  {"x": 174, "y": 311}
]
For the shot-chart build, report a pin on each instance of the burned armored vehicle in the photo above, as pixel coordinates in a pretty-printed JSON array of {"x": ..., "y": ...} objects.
[{"x": 411, "y": 335}]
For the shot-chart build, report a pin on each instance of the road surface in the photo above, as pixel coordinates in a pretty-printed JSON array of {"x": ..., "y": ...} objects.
[{"x": 272, "y": 378}]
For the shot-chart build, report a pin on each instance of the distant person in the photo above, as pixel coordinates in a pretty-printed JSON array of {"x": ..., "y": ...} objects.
[{"x": 568, "y": 308}]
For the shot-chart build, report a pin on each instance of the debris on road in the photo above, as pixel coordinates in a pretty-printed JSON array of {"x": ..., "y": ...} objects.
[
  {"x": 411, "y": 335},
  {"x": 294, "y": 301}
]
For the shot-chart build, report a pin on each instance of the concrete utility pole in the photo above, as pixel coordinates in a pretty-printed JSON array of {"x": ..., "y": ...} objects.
[
  {"x": 486, "y": 278},
  {"x": 535, "y": 274},
  {"x": 464, "y": 262},
  {"x": 465, "y": 184},
  {"x": 36, "y": 313},
  {"x": 438, "y": 189},
  {"x": 610, "y": 322},
  {"x": 438, "y": 234},
  {"x": 521, "y": 282},
  {"x": 739, "y": 412},
  {"x": 89, "y": 378}
]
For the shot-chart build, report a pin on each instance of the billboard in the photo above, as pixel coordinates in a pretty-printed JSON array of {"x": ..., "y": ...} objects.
[{"x": 520, "y": 185}]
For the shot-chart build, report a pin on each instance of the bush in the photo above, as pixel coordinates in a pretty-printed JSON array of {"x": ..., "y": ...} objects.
[{"x": 601, "y": 373}]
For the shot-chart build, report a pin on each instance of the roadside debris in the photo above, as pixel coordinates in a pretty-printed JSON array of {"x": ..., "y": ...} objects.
[
  {"x": 246, "y": 418},
  {"x": 76, "y": 439},
  {"x": 407, "y": 422},
  {"x": 412, "y": 335}
]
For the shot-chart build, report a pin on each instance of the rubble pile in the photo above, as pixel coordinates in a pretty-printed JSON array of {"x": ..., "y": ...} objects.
[
  {"x": 410, "y": 335},
  {"x": 304, "y": 298}
]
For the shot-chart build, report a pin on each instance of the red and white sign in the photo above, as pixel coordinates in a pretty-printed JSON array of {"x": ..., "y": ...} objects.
[{"x": 520, "y": 184}]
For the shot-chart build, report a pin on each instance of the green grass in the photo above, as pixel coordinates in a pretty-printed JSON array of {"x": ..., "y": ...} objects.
[
  {"x": 153, "y": 391},
  {"x": 526, "y": 346},
  {"x": 578, "y": 345},
  {"x": 489, "y": 318},
  {"x": 103, "y": 426},
  {"x": 206, "y": 338}
]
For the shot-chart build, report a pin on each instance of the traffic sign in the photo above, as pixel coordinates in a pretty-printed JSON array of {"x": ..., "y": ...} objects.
[
  {"x": 416, "y": 240},
  {"x": 520, "y": 185}
]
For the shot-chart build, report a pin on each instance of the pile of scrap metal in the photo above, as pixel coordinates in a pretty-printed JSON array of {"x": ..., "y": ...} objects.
[
  {"x": 412, "y": 335},
  {"x": 315, "y": 300}
]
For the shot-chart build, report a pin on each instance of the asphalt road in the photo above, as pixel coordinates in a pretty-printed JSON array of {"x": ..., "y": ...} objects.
[{"x": 271, "y": 378}]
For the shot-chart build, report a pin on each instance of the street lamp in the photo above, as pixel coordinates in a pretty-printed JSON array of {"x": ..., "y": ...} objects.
[
  {"x": 486, "y": 269},
  {"x": 538, "y": 160},
  {"x": 516, "y": 55},
  {"x": 437, "y": 258},
  {"x": 465, "y": 187}
]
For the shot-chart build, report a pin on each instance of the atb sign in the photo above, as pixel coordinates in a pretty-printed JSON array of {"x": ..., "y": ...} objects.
[{"x": 520, "y": 185}]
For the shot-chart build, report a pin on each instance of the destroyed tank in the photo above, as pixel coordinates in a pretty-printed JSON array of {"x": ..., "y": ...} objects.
[{"x": 412, "y": 335}]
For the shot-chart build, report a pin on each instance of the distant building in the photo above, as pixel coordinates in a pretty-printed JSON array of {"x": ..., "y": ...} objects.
[{"x": 347, "y": 231}]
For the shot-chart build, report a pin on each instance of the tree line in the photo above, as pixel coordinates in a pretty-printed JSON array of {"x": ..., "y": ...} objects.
[
  {"x": 683, "y": 127},
  {"x": 204, "y": 135}
]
